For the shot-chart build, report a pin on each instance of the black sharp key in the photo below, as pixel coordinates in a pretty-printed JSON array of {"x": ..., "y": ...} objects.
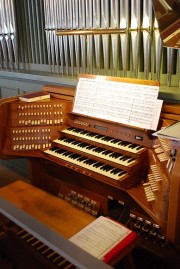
[
  {"x": 106, "y": 167},
  {"x": 65, "y": 139},
  {"x": 62, "y": 138},
  {"x": 115, "y": 141},
  {"x": 107, "y": 138},
  {"x": 69, "y": 140},
  {"x": 90, "y": 162},
  {"x": 132, "y": 146},
  {"x": 115, "y": 171},
  {"x": 130, "y": 160},
  {"x": 124, "y": 158},
  {"x": 76, "y": 142},
  {"x": 81, "y": 159},
  {"x": 74, "y": 156},
  {"x": 60, "y": 151},
  {"x": 70, "y": 128},
  {"x": 122, "y": 173},
  {"x": 54, "y": 148},
  {"x": 99, "y": 150},
  {"x": 90, "y": 147},
  {"x": 91, "y": 134},
  {"x": 139, "y": 147},
  {"x": 98, "y": 136},
  {"x": 83, "y": 145},
  {"x": 125, "y": 144},
  {"x": 115, "y": 155},
  {"x": 98, "y": 164},
  {"x": 84, "y": 132},
  {"x": 107, "y": 152},
  {"x": 76, "y": 130},
  {"x": 67, "y": 153}
]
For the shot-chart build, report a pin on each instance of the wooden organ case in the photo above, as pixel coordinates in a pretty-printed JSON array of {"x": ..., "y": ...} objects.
[{"x": 99, "y": 166}]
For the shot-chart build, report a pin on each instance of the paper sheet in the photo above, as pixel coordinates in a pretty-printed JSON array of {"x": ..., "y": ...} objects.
[
  {"x": 127, "y": 103},
  {"x": 100, "y": 236}
]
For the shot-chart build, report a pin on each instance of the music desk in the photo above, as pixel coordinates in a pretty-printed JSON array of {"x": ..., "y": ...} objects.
[{"x": 52, "y": 221}]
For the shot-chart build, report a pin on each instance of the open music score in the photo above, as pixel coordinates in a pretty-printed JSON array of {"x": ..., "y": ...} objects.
[
  {"x": 104, "y": 238},
  {"x": 122, "y": 102}
]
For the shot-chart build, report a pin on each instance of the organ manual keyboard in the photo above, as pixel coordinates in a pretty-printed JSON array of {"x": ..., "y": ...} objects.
[
  {"x": 106, "y": 167},
  {"x": 100, "y": 156}
]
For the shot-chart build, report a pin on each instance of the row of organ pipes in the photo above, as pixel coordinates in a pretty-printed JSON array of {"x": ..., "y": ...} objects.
[
  {"x": 8, "y": 48},
  {"x": 133, "y": 49}
]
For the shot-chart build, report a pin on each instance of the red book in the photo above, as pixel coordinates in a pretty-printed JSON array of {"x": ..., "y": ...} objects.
[{"x": 104, "y": 238}]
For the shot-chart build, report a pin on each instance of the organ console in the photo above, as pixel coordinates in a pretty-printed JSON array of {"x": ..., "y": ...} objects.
[{"x": 100, "y": 166}]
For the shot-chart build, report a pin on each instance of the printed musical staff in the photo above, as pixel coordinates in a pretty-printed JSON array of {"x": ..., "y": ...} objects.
[{"x": 126, "y": 103}]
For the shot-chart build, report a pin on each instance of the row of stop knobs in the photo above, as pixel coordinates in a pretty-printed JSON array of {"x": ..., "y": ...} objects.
[
  {"x": 147, "y": 229},
  {"x": 84, "y": 203}
]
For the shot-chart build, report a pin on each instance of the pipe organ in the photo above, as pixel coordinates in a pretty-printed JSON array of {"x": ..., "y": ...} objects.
[
  {"x": 118, "y": 38},
  {"x": 100, "y": 167}
]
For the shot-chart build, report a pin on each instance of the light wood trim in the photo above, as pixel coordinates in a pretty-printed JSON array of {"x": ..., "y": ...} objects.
[
  {"x": 122, "y": 79},
  {"x": 171, "y": 108},
  {"x": 59, "y": 90}
]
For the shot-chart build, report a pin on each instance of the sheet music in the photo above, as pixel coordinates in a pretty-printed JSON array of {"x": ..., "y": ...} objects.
[
  {"x": 127, "y": 103},
  {"x": 99, "y": 237}
]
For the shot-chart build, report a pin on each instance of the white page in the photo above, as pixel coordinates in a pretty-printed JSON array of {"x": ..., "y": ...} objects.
[
  {"x": 100, "y": 236},
  {"x": 127, "y": 103}
]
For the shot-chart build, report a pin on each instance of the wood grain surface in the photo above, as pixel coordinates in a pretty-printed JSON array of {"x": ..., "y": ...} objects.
[{"x": 52, "y": 211}]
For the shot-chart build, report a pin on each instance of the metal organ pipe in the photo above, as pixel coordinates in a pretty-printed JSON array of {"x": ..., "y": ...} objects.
[
  {"x": 105, "y": 38},
  {"x": 97, "y": 40},
  {"x": 170, "y": 63},
  {"x": 147, "y": 24},
  {"x": 158, "y": 51},
  {"x": 76, "y": 37},
  {"x": 124, "y": 24},
  {"x": 82, "y": 25},
  {"x": 114, "y": 23},
  {"x": 89, "y": 25},
  {"x": 135, "y": 34}
]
